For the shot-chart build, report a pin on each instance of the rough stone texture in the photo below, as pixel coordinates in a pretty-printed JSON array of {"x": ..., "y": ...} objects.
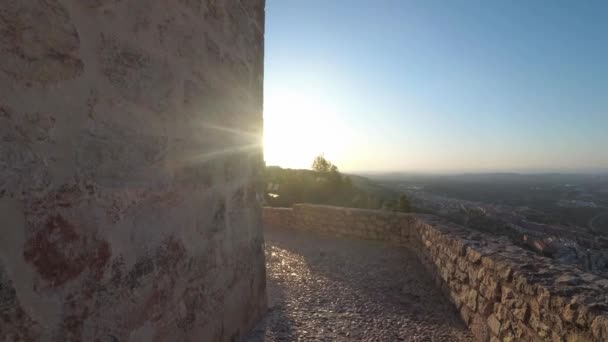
[
  {"x": 322, "y": 288},
  {"x": 129, "y": 159},
  {"x": 502, "y": 291}
]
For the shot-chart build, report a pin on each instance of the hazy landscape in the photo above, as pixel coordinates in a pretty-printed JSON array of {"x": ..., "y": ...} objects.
[
  {"x": 569, "y": 200},
  {"x": 564, "y": 216}
]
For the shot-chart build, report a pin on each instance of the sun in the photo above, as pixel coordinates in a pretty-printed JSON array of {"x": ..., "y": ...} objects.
[{"x": 298, "y": 128}]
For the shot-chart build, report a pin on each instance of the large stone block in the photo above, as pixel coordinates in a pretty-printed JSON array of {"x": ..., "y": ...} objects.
[{"x": 494, "y": 325}]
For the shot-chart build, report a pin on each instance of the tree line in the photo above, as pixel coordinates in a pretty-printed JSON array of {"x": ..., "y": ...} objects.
[{"x": 323, "y": 184}]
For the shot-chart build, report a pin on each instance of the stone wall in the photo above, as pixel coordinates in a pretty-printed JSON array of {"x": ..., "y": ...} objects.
[
  {"x": 503, "y": 293},
  {"x": 129, "y": 158},
  {"x": 278, "y": 217},
  {"x": 361, "y": 223}
]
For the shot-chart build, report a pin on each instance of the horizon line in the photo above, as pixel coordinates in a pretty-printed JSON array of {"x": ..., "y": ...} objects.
[{"x": 522, "y": 171}]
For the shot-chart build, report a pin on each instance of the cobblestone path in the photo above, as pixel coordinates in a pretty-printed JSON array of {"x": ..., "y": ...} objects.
[{"x": 326, "y": 289}]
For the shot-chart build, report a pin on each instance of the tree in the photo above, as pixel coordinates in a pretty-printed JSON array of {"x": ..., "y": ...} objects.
[
  {"x": 404, "y": 204},
  {"x": 322, "y": 185},
  {"x": 329, "y": 187},
  {"x": 320, "y": 164}
]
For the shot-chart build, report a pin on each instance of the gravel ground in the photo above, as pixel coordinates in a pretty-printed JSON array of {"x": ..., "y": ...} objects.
[{"x": 326, "y": 289}]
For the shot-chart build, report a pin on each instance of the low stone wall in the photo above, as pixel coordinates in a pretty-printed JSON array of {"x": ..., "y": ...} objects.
[
  {"x": 502, "y": 292},
  {"x": 360, "y": 223},
  {"x": 277, "y": 217}
]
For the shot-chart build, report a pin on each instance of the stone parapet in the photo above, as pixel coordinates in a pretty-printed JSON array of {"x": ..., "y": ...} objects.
[
  {"x": 278, "y": 217},
  {"x": 503, "y": 292}
]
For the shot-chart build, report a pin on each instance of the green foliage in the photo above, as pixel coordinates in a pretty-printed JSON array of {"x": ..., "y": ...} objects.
[
  {"x": 320, "y": 164},
  {"x": 324, "y": 184}
]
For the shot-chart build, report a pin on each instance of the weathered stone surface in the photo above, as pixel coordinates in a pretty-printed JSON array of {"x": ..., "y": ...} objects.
[
  {"x": 129, "y": 166},
  {"x": 501, "y": 291},
  {"x": 141, "y": 77},
  {"x": 484, "y": 307},
  {"x": 39, "y": 43},
  {"x": 599, "y": 327},
  {"x": 494, "y": 325}
]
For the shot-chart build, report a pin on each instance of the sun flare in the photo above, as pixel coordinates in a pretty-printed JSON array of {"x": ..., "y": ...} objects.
[{"x": 296, "y": 129}]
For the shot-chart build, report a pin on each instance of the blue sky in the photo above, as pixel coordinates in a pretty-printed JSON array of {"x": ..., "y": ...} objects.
[{"x": 437, "y": 85}]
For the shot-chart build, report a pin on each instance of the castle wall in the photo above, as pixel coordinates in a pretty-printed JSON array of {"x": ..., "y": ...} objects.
[{"x": 129, "y": 156}]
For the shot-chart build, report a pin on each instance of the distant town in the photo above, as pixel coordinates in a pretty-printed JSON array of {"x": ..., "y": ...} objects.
[{"x": 557, "y": 215}]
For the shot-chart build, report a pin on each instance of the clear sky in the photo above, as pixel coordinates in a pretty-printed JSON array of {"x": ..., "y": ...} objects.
[{"x": 437, "y": 86}]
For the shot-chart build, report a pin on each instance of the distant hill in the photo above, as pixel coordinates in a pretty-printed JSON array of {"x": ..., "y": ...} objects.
[
  {"x": 285, "y": 187},
  {"x": 372, "y": 187},
  {"x": 496, "y": 177}
]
